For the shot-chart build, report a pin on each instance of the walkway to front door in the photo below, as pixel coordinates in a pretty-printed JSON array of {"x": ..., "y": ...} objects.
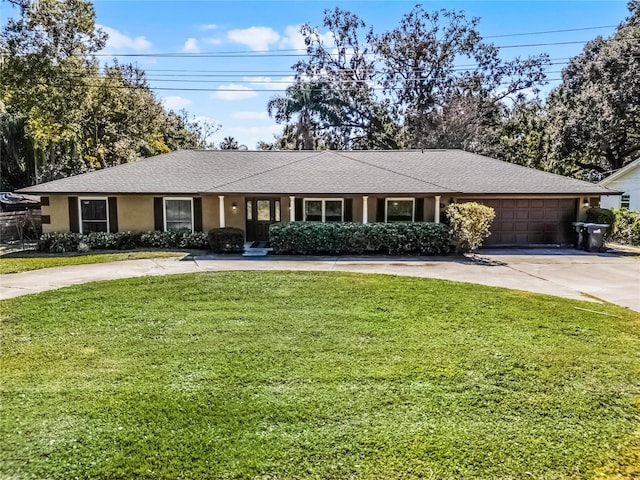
[{"x": 261, "y": 213}]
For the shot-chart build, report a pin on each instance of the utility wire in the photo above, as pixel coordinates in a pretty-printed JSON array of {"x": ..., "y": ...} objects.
[
  {"x": 134, "y": 87},
  {"x": 268, "y": 82},
  {"x": 550, "y": 31},
  {"x": 275, "y": 53},
  {"x": 289, "y": 72}
]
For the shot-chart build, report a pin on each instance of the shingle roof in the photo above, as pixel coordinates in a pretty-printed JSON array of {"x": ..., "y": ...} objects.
[
  {"x": 620, "y": 173},
  {"x": 319, "y": 172}
]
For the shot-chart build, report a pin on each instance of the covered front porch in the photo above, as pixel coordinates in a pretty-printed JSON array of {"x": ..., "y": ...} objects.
[{"x": 256, "y": 213}]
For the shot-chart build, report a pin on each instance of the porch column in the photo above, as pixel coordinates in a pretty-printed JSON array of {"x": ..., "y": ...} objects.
[
  {"x": 292, "y": 208},
  {"x": 436, "y": 213},
  {"x": 221, "y": 203},
  {"x": 365, "y": 209}
]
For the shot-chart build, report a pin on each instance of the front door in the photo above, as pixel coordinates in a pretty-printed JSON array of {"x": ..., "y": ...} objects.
[{"x": 261, "y": 213}]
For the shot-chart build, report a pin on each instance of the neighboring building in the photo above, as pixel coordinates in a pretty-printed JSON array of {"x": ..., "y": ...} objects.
[
  {"x": 10, "y": 202},
  {"x": 251, "y": 190},
  {"x": 627, "y": 181}
]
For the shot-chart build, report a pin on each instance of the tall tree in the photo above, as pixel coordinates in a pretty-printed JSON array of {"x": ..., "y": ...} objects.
[
  {"x": 230, "y": 143},
  {"x": 404, "y": 88},
  {"x": 420, "y": 73},
  {"x": 48, "y": 57},
  {"x": 62, "y": 114},
  {"x": 315, "y": 107},
  {"x": 345, "y": 107},
  {"x": 520, "y": 134},
  {"x": 594, "y": 115}
]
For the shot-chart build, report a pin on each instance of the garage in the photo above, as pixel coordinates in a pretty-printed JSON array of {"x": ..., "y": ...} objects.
[{"x": 528, "y": 221}]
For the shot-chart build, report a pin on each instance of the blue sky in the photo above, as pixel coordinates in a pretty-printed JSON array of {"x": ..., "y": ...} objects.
[{"x": 152, "y": 27}]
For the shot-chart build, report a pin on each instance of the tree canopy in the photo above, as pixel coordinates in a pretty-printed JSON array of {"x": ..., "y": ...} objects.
[
  {"x": 402, "y": 88},
  {"x": 61, "y": 112},
  {"x": 434, "y": 82},
  {"x": 594, "y": 115}
]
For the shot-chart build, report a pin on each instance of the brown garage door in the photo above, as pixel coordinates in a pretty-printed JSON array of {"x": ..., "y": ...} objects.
[{"x": 531, "y": 221}]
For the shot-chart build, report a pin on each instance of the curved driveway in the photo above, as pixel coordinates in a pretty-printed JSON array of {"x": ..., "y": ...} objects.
[{"x": 565, "y": 273}]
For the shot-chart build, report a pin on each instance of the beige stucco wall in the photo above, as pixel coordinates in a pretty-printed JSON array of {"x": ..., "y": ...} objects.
[
  {"x": 285, "y": 210},
  {"x": 135, "y": 213},
  {"x": 357, "y": 210},
  {"x": 210, "y": 212},
  {"x": 234, "y": 218},
  {"x": 583, "y": 206},
  {"x": 58, "y": 210}
]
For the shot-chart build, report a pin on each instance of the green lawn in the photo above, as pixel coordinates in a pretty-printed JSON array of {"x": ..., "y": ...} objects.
[
  {"x": 274, "y": 375},
  {"x": 13, "y": 263}
]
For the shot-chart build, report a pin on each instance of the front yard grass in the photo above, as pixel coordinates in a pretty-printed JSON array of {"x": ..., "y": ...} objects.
[
  {"x": 21, "y": 262},
  {"x": 275, "y": 375}
]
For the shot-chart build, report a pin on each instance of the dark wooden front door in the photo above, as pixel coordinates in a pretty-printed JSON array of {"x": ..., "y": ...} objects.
[{"x": 261, "y": 214}]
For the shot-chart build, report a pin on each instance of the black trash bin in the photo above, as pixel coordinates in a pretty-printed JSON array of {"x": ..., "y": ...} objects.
[
  {"x": 581, "y": 235},
  {"x": 595, "y": 237}
]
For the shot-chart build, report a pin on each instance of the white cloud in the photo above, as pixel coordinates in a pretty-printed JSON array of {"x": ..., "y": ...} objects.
[
  {"x": 294, "y": 39},
  {"x": 174, "y": 102},
  {"x": 268, "y": 83},
  {"x": 233, "y": 92},
  {"x": 250, "y": 136},
  {"x": 191, "y": 46},
  {"x": 209, "y": 26},
  {"x": 119, "y": 42},
  {"x": 250, "y": 115},
  {"x": 211, "y": 40},
  {"x": 256, "y": 38},
  {"x": 264, "y": 130}
]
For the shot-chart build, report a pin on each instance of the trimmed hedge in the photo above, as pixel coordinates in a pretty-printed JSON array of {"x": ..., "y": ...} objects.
[
  {"x": 603, "y": 216},
  {"x": 469, "y": 223},
  {"x": 74, "y": 242},
  {"x": 226, "y": 240},
  {"x": 626, "y": 227},
  {"x": 312, "y": 238}
]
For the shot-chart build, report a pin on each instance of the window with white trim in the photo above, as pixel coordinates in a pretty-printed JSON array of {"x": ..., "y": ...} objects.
[
  {"x": 625, "y": 201},
  {"x": 94, "y": 215},
  {"x": 178, "y": 214},
  {"x": 399, "y": 209},
  {"x": 324, "y": 209}
]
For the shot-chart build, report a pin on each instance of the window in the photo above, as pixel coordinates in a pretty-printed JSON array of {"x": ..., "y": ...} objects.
[
  {"x": 94, "y": 215},
  {"x": 276, "y": 206},
  {"x": 178, "y": 214},
  {"x": 264, "y": 210},
  {"x": 625, "y": 201},
  {"x": 249, "y": 210},
  {"x": 399, "y": 209},
  {"x": 323, "y": 210}
]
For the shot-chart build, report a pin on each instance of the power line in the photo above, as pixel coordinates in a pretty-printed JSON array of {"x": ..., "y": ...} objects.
[
  {"x": 289, "y": 72},
  {"x": 267, "y": 82},
  {"x": 187, "y": 89},
  {"x": 275, "y": 52},
  {"x": 550, "y": 31}
]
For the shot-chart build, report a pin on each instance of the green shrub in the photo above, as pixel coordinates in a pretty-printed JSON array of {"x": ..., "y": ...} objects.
[
  {"x": 111, "y": 241},
  {"x": 313, "y": 238},
  {"x": 626, "y": 228},
  {"x": 74, "y": 242},
  {"x": 601, "y": 215},
  {"x": 226, "y": 240},
  {"x": 173, "y": 239},
  {"x": 59, "y": 242},
  {"x": 469, "y": 223}
]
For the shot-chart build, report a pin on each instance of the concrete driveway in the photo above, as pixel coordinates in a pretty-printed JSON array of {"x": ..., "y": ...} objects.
[{"x": 614, "y": 277}]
